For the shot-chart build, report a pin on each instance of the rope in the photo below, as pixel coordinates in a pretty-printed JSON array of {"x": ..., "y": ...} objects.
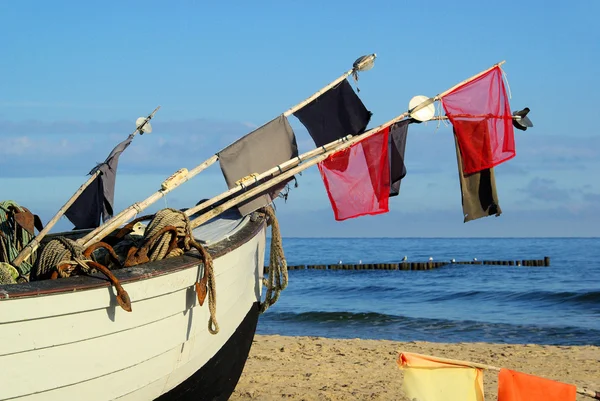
[
  {"x": 162, "y": 219},
  {"x": 278, "y": 273},
  {"x": 13, "y": 238},
  {"x": 159, "y": 249},
  {"x": 59, "y": 252}
]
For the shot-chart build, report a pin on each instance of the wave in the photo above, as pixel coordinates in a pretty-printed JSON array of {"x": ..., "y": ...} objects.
[
  {"x": 569, "y": 297},
  {"x": 372, "y": 325}
]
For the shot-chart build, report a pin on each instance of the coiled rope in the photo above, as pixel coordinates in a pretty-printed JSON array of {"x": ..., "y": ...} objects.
[
  {"x": 278, "y": 273},
  {"x": 13, "y": 238},
  {"x": 61, "y": 255},
  {"x": 169, "y": 234}
]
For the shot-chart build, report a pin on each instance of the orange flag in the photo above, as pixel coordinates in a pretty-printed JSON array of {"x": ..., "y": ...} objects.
[{"x": 517, "y": 386}]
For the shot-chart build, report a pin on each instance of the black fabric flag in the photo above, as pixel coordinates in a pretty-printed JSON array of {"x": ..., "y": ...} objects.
[
  {"x": 397, "y": 146},
  {"x": 335, "y": 114},
  {"x": 98, "y": 198},
  {"x": 478, "y": 191},
  {"x": 257, "y": 152}
]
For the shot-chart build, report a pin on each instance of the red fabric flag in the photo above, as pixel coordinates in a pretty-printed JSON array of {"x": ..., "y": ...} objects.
[
  {"x": 480, "y": 113},
  {"x": 517, "y": 386},
  {"x": 357, "y": 178}
]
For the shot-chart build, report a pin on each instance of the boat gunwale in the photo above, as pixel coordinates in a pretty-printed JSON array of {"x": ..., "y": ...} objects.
[{"x": 136, "y": 273}]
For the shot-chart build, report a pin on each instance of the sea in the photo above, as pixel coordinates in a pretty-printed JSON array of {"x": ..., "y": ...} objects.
[{"x": 556, "y": 305}]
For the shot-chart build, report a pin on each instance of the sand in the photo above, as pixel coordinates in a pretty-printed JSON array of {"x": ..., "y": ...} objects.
[{"x": 312, "y": 368}]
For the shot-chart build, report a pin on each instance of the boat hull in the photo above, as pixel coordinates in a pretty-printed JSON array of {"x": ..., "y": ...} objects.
[
  {"x": 217, "y": 379},
  {"x": 79, "y": 344}
]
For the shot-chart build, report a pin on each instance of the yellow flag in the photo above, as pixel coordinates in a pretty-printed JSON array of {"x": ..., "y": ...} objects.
[{"x": 429, "y": 379}]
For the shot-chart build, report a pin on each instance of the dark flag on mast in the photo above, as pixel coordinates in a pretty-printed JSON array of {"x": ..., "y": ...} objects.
[
  {"x": 97, "y": 199},
  {"x": 335, "y": 114},
  {"x": 397, "y": 147},
  {"x": 478, "y": 190},
  {"x": 262, "y": 149}
]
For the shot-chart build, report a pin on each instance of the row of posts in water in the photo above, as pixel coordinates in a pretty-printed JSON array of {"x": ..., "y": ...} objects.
[{"x": 421, "y": 265}]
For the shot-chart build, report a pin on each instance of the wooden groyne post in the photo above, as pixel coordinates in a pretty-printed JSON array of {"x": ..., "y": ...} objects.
[{"x": 428, "y": 265}]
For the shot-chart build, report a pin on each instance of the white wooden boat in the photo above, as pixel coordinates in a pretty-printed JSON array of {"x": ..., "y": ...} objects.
[{"x": 68, "y": 339}]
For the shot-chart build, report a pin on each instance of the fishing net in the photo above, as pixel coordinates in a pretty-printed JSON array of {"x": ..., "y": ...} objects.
[
  {"x": 480, "y": 113},
  {"x": 357, "y": 179}
]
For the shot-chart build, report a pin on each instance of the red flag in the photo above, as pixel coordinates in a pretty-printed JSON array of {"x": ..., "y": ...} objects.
[
  {"x": 517, "y": 386},
  {"x": 480, "y": 113},
  {"x": 357, "y": 178}
]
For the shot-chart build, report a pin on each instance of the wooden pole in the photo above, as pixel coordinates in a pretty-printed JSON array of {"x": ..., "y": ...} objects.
[
  {"x": 271, "y": 172},
  {"x": 436, "y": 118},
  {"x": 583, "y": 391},
  {"x": 290, "y": 163},
  {"x": 322, "y": 153},
  {"x": 181, "y": 176},
  {"x": 35, "y": 242},
  {"x": 171, "y": 183}
]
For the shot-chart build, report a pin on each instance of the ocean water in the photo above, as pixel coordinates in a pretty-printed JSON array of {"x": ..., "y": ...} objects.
[{"x": 557, "y": 305}]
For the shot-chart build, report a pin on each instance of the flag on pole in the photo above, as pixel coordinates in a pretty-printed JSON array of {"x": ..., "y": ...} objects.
[
  {"x": 97, "y": 199},
  {"x": 335, "y": 114},
  {"x": 517, "y": 386},
  {"x": 480, "y": 113},
  {"x": 397, "y": 146},
  {"x": 478, "y": 191},
  {"x": 428, "y": 379},
  {"x": 357, "y": 179},
  {"x": 257, "y": 152}
]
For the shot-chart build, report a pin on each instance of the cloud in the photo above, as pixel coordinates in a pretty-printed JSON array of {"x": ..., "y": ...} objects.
[
  {"x": 37, "y": 148},
  {"x": 546, "y": 190},
  {"x": 592, "y": 197}
]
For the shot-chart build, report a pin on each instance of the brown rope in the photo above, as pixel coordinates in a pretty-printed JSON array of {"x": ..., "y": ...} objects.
[
  {"x": 63, "y": 257},
  {"x": 59, "y": 252},
  {"x": 278, "y": 273},
  {"x": 169, "y": 234}
]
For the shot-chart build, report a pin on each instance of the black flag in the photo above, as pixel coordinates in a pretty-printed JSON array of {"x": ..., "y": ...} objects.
[
  {"x": 397, "y": 146},
  {"x": 97, "y": 199},
  {"x": 335, "y": 114}
]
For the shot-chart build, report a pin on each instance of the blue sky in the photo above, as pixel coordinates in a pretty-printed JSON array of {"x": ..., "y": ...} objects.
[{"x": 76, "y": 75}]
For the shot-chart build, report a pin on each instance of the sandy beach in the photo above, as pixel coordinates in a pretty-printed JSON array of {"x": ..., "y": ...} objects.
[{"x": 312, "y": 368}]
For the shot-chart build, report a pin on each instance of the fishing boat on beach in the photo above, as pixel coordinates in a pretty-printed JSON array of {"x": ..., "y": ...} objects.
[{"x": 164, "y": 306}]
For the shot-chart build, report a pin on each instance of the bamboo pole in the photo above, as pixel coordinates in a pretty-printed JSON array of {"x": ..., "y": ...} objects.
[
  {"x": 436, "y": 118},
  {"x": 132, "y": 210},
  {"x": 288, "y": 164},
  {"x": 273, "y": 171},
  {"x": 322, "y": 152},
  {"x": 580, "y": 390},
  {"x": 176, "y": 179},
  {"x": 35, "y": 242}
]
